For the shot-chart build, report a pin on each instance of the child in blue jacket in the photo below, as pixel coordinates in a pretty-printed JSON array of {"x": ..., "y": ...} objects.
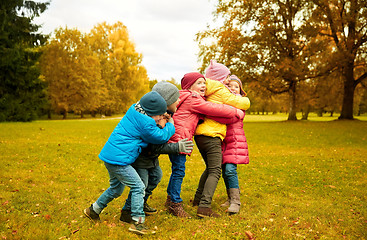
[{"x": 135, "y": 130}]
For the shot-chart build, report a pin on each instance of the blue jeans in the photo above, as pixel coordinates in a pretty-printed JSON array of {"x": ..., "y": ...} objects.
[
  {"x": 230, "y": 177},
  {"x": 178, "y": 173},
  {"x": 121, "y": 176},
  {"x": 151, "y": 177}
]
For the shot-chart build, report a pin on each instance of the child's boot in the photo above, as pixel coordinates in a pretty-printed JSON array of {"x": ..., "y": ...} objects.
[
  {"x": 227, "y": 203},
  {"x": 235, "y": 202},
  {"x": 140, "y": 228},
  {"x": 177, "y": 210},
  {"x": 91, "y": 214},
  {"x": 148, "y": 209}
]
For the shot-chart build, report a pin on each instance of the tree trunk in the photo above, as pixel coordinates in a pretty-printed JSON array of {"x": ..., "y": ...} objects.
[
  {"x": 292, "y": 102},
  {"x": 306, "y": 112},
  {"x": 64, "y": 114},
  {"x": 348, "y": 97}
]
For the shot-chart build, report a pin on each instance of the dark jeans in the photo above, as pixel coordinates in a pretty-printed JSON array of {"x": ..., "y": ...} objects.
[
  {"x": 211, "y": 151},
  {"x": 151, "y": 177}
]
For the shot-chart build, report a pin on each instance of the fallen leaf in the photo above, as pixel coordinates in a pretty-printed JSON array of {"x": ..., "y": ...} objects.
[{"x": 249, "y": 235}]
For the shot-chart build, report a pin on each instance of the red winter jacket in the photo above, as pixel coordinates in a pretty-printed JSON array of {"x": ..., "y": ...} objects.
[
  {"x": 234, "y": 145},
  {"x": 191, "y": 108}
]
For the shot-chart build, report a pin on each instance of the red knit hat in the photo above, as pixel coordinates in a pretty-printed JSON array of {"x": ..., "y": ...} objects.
[
  {"x": 189, "y": 79},
  {"x": 217, "y": 71}
]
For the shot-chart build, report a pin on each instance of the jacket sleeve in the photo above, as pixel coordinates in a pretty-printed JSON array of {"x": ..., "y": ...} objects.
[
  {"x": 226, "y": 96},
  {"x": 234, "y": 100},
  {"x": 201, "y": 106},
  {"x": 166, "y": 148},
  {"x": 224, "y": 120},
  {"x": 156, "y": 135}
]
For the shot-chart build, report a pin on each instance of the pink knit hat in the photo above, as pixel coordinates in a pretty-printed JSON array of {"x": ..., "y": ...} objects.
[
  {"x": 217, "y": 71},
  {"x": 189, "y": 79}
]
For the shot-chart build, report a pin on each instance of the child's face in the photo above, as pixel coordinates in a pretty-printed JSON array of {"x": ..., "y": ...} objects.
[
  {"x": 226, "y": 81},
  {"x": 173, "y": 106},
  {"x": 160, "y": 119},
  {"x": 234, "y": 87},
  {"x": 199, "y": 86}
]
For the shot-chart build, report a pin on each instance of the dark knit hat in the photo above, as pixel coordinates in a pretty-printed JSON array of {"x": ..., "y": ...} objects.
[
  {"x": 153, "y": 104},
  {"x": 168, "y": 91},
  {"x": 189, "y": 79}
]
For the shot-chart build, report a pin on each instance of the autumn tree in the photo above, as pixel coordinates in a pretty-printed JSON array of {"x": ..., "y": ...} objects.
[
  {"x": 345, "y": 23},
  {"x": 98, "y": 71},
  {"x": 270, "y": 42},
  {"x": 22, "y": 92},
  {"x": 72, "y": 72},
  {"x": 124, "y": 77}
]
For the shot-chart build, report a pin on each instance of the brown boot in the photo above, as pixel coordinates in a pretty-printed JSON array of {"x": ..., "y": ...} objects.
[
  {"x": 206, "y": 212},
  {"x": 227, "y": 203},
  {"x": 177, "y": 210},
  {"x": 168, "y": 201},
  {"x": 235, "y": 202}
]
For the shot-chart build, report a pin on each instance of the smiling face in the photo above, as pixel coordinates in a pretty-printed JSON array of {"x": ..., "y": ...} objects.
[
  {"x": 234, "y": 87},
  {"x": 199, "y": 86}
]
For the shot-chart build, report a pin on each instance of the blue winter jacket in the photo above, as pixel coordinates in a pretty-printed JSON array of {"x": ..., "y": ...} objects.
[{"x": 132, "y": 133}]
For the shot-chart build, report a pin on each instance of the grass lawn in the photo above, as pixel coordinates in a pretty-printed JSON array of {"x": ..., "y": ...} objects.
[{"x": 305, "y": 180}]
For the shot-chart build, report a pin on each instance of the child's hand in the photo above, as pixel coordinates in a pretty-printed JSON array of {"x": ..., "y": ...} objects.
[
  {"x": 185, "y": 146},
  {"x": 161, "y": 122},
  {"x": 169, "y": 118},
  {"x": 240, "y": 114}
]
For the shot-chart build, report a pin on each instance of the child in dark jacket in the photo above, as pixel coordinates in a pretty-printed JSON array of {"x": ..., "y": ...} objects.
[
  {"x": 191, "y": 108},
  {"x": 147, "y": 164},
  {"x": 135, "y": 130}
]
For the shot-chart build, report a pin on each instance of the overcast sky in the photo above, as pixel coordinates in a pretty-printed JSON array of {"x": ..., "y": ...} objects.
[{"x": 162, "y": 30}]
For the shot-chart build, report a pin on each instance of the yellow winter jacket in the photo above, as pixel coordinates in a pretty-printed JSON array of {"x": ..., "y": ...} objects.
[{"x": 216, "y": 92}]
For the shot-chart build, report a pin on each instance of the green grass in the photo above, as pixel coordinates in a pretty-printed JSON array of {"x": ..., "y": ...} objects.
[{"x": 305, "y": 180}]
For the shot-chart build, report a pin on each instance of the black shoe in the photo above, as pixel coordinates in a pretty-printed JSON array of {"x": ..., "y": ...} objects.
[
  {"x": 148, "y": 209},
  {"x": 140, "y": 228},
  {"x": 91, "y": 214},
  {"x": 126, "y": 216}
]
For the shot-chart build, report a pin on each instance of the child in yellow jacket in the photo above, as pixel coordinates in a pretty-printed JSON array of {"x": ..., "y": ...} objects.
[{"x": 210, "y": 134}]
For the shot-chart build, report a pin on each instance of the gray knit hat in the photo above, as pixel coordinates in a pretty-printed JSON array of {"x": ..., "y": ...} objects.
[
  {"x": 168, "y": 91},
  {"x": 153, "y": 104}
]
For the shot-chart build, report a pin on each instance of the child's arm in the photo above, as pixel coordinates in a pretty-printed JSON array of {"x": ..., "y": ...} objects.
[
  {"x": 151, "y": 133},
  {"x": 224, "y": 95},
  {"x": 201, "y": 106},
  {"x": 229, "y": 120},
  {"x": 182, "y": 146}
]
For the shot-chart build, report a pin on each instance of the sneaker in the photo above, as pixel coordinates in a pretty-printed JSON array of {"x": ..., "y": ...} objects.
[
  {"x": 206, "y": 212},
  {"x": 91, "y": 214},
  {"x": 140, "y": 228},
  {"x": 126, "y": 216},
  {"x": 149, "y": 210},
  {"x": 176, "y": 209}
]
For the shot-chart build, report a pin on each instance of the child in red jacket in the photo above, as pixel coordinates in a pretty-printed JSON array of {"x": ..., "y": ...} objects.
[
  {"x": 235, "y": 151},
  {"x": 191, "y": 108}
]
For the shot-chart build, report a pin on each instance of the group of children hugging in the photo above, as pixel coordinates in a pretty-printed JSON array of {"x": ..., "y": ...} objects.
[{"x": 209, "y": 109}]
